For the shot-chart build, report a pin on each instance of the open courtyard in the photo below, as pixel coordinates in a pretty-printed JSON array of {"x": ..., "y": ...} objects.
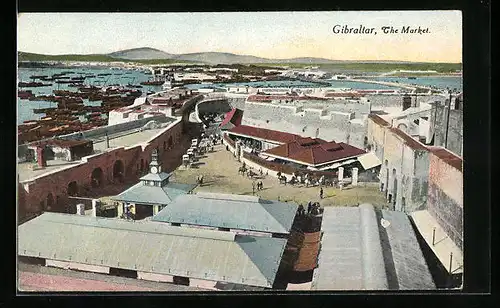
[{"x": 220, "y": 174}]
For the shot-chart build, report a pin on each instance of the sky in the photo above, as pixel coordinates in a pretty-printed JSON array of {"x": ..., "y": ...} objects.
[{"x": 277, "y": 35}]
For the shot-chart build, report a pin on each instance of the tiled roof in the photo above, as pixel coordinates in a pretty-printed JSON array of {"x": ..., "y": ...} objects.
[
  {"x": 448, "y": 157},
  {"x": 315, "y": 151},
  {"x": 262, "y": 133},
  {"x": 234, "y": 116}
]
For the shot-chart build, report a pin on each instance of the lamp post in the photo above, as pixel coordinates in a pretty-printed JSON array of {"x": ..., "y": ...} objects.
[{"x": 447, "y": 121}]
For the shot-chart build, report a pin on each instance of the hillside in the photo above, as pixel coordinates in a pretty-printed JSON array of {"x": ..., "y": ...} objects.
[{"x": 144, "y": 53}]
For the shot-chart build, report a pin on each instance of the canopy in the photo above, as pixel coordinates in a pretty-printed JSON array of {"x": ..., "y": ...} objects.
[{"x": 369, "y": 160}]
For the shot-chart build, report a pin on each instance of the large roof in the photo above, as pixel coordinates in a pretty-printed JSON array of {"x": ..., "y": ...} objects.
[
  {"x": 230, "y": 211},
  {"x": 152, "y": 195},
  {"x": 358, "y": 253},
  {"x": 263, "y": 133},
  {"x": 153, "y": 247},
  {"x": 314, "y": 151}
]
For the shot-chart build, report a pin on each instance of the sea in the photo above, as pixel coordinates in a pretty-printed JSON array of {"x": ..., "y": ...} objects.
[{"x": 129, "y": 76}]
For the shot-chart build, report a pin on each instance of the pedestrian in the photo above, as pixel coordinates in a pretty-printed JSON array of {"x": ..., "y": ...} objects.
[
  {"x": 253, "y": 188},
  {"x": 309, "y": 205},
  {"x": 321, "y": 193},
  {"x": 300, "y": 211}
]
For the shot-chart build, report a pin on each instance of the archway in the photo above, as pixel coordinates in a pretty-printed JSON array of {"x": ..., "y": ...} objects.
[
  {"x": 118, "y": 171},
  {"x": 72, "y": 189},
  {"x": 96, "y": 177},
  {"x": 169, "y": 142},
  {"x": 50, "y": 201},
  {"x": 403, "y": 127}
]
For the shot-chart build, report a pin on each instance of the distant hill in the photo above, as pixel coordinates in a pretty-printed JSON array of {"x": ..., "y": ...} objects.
[
  {"x": 144, "y": 53},
  {"x": 150, "y": 56}
]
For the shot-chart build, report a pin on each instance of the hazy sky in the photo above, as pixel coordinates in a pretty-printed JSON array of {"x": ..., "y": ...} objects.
[{"x": 266, "y": 34}]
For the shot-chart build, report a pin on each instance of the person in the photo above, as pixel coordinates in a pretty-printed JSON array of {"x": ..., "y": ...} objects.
[
  {"x": 253, "y": 188},
  {"x": 309, "y": 205},
  {"x": 300, "y": 210},
  {"x": 321, "y": 193}
]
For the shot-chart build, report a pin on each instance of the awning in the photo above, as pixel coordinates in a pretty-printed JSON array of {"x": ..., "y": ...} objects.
[
  {"x": 444, "y": 248},
  {"x": 369, "y": 160}
]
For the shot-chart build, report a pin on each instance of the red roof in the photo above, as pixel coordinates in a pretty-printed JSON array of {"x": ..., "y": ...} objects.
[
  {"x": 448, "y": 157},
  {"x": 281, "y": 97},
  {"x": 262, "y": 133},
  {"x": 315, "y": 151},
  {"x": 234, "y": 116}
]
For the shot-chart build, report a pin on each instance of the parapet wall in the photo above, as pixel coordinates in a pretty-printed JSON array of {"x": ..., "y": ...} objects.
[{"x": 307, "y": 122}]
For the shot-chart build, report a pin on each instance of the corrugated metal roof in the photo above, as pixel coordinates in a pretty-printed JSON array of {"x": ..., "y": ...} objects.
[
  {"x": 355, "y": 256},
  {"x": 411, "y": 268},
  {"x": 230, "y": 211},
  {"x": 153, "y": 247},
  {"x": 156, "y": 177},
  {"x": 151, "y": 195}
]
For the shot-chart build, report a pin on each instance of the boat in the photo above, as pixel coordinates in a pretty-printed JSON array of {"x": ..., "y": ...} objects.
[
  {"x": 33, "y": 84},
  {"x": 152, "y": 83},
  {"x": 412, "y": 77},
  {"x": 24, "y": 94},
  {"x": 38, "y": 76},
  {"x": 104, "y": 74}
]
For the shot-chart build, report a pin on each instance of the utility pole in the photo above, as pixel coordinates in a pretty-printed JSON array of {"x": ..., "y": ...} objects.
[{"x": 447, "y": 122}]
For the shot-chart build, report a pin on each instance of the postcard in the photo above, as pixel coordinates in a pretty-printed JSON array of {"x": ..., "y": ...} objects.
[{"x": 243, "y": 151}]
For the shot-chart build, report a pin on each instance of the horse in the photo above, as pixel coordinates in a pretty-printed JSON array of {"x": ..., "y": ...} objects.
[
  {"x": 250, "y": 174},
  {"x": 282, "y": 179},
  {"x": 293, "y": 180},
  {"x": 242, "y": 170}
]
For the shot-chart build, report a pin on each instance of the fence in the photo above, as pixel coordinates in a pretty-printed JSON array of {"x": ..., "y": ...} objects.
[{"x": 229, "y": 140}]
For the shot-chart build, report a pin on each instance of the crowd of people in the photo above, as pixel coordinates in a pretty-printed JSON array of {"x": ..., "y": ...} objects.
[{"x": 312, "y": 209}]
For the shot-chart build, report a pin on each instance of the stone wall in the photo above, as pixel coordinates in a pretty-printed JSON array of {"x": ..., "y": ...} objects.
[
  {"x": 445, "y": 201},
  {"x": 306, "y": 122},
  {"x": 34, "y": 193},
  {"x": 455, "y": 128},
  {"x": 404, "y": 172}
]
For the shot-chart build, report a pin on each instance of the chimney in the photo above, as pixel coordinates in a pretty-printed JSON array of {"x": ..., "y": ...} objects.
[
  {"x": 41, "y": 157},
  {"x": 107, "y": 141},
  {"x": 406, "y": 102},
  {"x": 80, "y": 209}
]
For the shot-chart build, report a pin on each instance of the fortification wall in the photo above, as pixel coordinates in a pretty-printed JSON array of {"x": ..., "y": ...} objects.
[
  {"x": 35, "y": 193},
  {"x": 306, "y": 122}
]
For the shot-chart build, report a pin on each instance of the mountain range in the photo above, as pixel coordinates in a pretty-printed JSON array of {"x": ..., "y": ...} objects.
[{"x": 147, "y": 53}]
